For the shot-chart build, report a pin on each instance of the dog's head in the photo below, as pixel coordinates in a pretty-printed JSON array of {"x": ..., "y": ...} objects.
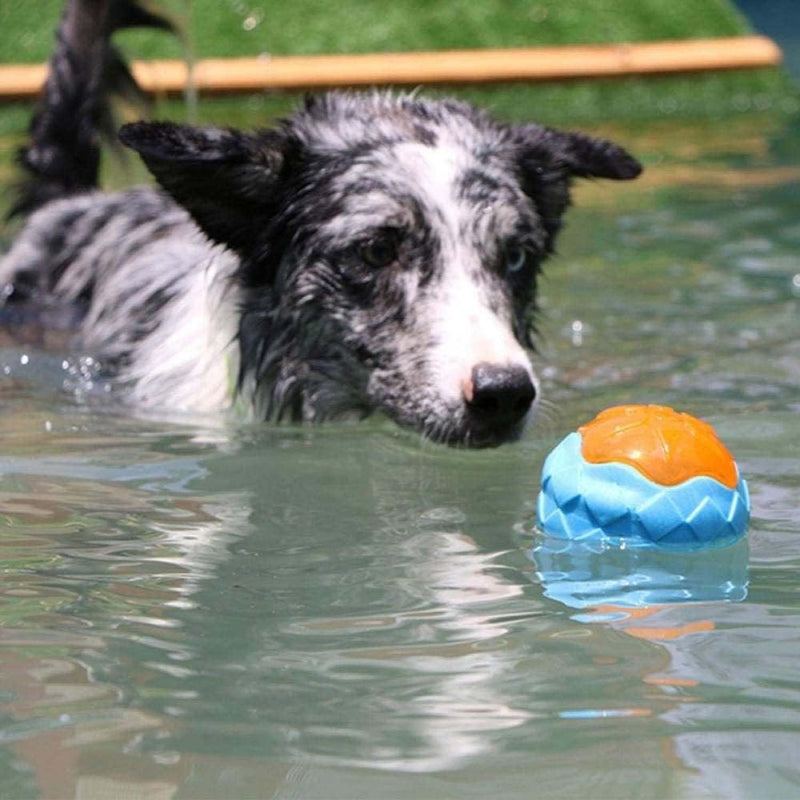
[{"x": 389, "y": 252}]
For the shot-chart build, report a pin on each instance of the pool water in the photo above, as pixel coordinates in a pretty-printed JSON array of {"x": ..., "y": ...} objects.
[{"x": 198, "y": 610}]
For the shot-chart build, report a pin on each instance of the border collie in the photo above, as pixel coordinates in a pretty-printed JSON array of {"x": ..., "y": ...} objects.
[{"x": 374, "y": 251}]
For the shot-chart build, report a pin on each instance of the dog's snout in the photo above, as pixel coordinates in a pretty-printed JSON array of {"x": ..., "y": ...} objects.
[{"x": 499, "y": 395}]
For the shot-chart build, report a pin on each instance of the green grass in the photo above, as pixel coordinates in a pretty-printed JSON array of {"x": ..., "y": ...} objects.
[
  {"x": 240, "y": 27},
  {"x": 250, "y": 27}
]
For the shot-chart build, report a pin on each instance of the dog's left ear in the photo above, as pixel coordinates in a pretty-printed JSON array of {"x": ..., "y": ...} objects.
[
  {"x": 548, "y": 159},
  {"x": 587, "y": 157},
  {"x": 227, "y": 180},
  {"x": 580, "y": 155}
]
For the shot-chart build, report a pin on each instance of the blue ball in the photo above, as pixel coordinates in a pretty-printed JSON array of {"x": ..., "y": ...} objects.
[{"x": 581, "y": 500}]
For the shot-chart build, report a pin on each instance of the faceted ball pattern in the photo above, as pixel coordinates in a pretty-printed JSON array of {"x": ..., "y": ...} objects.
[{"x": 583, "y": 500}]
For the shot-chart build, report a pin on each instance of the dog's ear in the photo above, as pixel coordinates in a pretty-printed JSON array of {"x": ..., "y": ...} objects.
[
  {"x": 580, "y": 155},
  {"x": 588, "y": 157},
  {"x": 548, "y": 159},
  {"x": 226, "y": 179}
]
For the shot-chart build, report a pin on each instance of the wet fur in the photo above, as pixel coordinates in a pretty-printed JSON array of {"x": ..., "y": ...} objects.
[{"x": 253, "y": 274}]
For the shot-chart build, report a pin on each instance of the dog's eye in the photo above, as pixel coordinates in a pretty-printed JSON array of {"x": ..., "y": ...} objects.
[
  {"x": 380, "y": 251},
  {"x": 514, "y": 258}
]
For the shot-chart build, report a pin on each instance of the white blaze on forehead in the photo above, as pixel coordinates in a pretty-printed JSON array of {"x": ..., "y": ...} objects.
[{"x": 457, "y": 307}]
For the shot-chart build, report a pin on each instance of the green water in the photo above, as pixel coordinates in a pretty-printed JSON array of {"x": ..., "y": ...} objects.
[{"x": 194, "y": 611}]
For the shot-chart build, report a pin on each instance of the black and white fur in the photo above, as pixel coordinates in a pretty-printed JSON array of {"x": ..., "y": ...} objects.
[{"x": 372, "y": 252}]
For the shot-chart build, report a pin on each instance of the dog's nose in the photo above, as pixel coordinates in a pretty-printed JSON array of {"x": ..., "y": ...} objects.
[{"x": 499, "y": 395}]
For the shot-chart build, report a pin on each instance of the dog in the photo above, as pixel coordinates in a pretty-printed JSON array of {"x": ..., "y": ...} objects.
[{"x": 373, "y": 252}]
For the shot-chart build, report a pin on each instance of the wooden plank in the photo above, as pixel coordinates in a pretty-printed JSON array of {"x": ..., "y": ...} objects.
[{"x": 533, "y": 64}]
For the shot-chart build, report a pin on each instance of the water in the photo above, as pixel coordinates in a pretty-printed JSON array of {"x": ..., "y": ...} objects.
[
  {"x": 780, "y": 20},
  {"x": 191, "y": 610}
]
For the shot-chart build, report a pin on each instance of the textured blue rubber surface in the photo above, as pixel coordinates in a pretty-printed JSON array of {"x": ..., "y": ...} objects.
[{"x": 580, "y": 500}]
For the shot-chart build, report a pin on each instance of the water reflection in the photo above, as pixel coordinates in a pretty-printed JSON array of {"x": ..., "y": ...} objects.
[
  {"x": 587, "y": 575},
  {"x": 366, "y": 627}
]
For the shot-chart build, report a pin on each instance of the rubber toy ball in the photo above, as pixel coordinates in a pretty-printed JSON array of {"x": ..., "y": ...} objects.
[{"x": 643, "y": 474}]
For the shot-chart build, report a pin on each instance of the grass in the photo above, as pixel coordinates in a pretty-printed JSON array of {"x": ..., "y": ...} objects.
[
  {"x": 245, "y": 27},
  {"x": 248, "y": 27}
]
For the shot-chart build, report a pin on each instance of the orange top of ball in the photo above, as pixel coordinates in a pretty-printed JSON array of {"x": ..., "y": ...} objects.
[{"x": 666, "y": 446}]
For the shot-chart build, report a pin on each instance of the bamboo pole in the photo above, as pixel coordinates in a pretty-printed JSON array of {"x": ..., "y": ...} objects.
[{"x": 535, "y": 64}]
